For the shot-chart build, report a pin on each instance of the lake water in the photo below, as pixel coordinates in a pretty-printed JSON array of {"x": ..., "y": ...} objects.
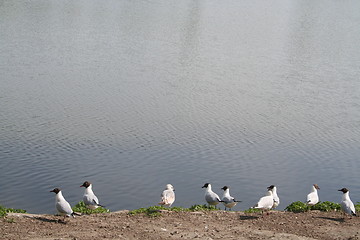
[{"x": 132, "y": 95}]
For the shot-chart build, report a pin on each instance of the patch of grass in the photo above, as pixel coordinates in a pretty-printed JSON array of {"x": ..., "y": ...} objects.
[
  {"x": 357, "y": 207},
  {"x": 326, "y": 206},
  {"x": 155, "y": 211},
  {"x": 252, "y": 210},
  {"x": 81, "y": 208},
  {"x": 203, "y": 207},
  {"x": 4, "y": 211},
  {"x": 321, "y": 206},
  {"x": 10, "y": 220},
  {"x": 297, "y": 207}
]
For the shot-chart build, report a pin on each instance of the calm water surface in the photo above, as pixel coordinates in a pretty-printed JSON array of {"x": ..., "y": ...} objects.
[{"x": 132, "y": 95}]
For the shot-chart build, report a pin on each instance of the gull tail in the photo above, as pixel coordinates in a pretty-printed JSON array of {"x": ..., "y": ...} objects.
[{"x": 73, "y": 214}]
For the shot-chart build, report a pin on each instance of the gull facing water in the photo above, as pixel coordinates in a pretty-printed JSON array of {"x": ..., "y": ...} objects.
[
  {"x": 228, "y": 201},
  {"x": 211, "y": 197},
  {"x": 312, "y": 197},
  {"x": 346, "y": 204},
  {"x": 275, "y": 196},
  {"x": 89, "y": 198},
  {"x": 266, "y": 202},
  {"x": 168, "y": 196}
]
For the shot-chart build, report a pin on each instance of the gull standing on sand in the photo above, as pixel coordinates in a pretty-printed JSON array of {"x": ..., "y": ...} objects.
[
  {"x": 346, "y": 204},
  {"x": 211, "y": 197},
  {"x": 275, "y": 196},
  {"x": 168, "y": 196},
  {"x": 62, "y": 206},
  {"x": 89, "y": 198},
  {"x": 228, "y": 200},
  {"x": 266, "y": 202},
  {"x": 312, "y": 197}
]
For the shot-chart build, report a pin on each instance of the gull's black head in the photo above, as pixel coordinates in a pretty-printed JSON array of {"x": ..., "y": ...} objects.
[
  {"x": 225, "y": 187},
  {"x": 205, "y": 185},
  {"x": 271, "y": 187},
  {"x": 344, "y": 190},
  {"x": 86, "y": 184},
  {"x": 56, "y": 190},
  {"x": 317, "y": 186}
]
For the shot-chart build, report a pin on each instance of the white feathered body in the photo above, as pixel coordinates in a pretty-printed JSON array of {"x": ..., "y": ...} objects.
[
  {"x": 167, "y": 197},
  {"x": 90, "y": 199},
  {"x": 210, "y": 197},
  {"x": 266, "y": 202},
  {"x": 275, "y": 197},
  {"x": 347, "y": 205},
  {"x": 62, "y": 206},
  {"x": 228, "y": 200},
  {"x": 312, "y": 197}
]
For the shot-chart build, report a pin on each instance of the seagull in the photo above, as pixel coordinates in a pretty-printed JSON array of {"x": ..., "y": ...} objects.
[
  {"x": 168, "y": 196},
  {"x": 228, "y": 200},
  {"x": 266, "y": 202},
  {"x": 312, "y": 197},
  {"x": 211, "y": 197},
  {"x": 62, "y": 206},
  {"x": 89, "y": 198},
  {"x": 275, "y": 196},
  {"x": 346, "y": 204}
]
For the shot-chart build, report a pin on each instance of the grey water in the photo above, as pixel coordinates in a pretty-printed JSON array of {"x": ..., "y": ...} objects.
[{"x": 132, "y": 95}]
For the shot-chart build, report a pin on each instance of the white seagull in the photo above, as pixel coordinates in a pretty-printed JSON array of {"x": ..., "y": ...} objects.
[
  {"x": 211, "y": 197},
  {"x": 275, "y": 196},
  {"x": 313, "y": 197},
  {"x": 228, "y": 201},
  {"x": 62, "y": 206},
  {"x": 346, "y": 204},
  {"x": 168, "y": 196},
  {"x": 266, "y": 202},
  {"x": 89, "y": 198}
]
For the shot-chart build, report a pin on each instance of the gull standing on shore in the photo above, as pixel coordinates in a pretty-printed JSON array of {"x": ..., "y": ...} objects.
[
  {"x": 211, "y": 197},
  {"x": 266, "y": 202},
  {"x": 62, "y": 206},
  {"x": 312, "y": 197},
  {"x": 228, "y": 201},
  {"x": 168, "y": 196},
  {"x": 346, "y": 204},
  {"x": 89, "y": 198},
  {"x": 275, "y": 196}
]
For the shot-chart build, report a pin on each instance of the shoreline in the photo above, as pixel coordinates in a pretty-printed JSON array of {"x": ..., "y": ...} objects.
[{"x": 183, "y": 225}]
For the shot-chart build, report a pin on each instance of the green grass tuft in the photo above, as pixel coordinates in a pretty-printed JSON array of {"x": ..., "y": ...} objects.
[
  {"x": 252, "y": 210},
  {"x": 326, "y": 206},
  {"x": 357, "y": 207},
  {"x": 81, "y": 208},
  {"x": 4, "y": 211},
  {"x": 155, "y": 211},
  {"x": 297, "y": 207},
  {"x": 203, "y": 207},
  {"x": 321, "y": 206}
]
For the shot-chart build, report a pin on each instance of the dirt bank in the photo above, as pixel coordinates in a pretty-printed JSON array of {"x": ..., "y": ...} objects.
[{"x": 183, "y": 225}]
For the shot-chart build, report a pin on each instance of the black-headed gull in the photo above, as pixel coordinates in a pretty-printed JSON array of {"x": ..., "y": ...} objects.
[
  {"x": 275, "y": 196},
  {"x": 228, "y": 201},
  {"x": 62, "y": 206},
  {"x": 211, "y": 197},
  {"x": 313, "y": 197},
  {"x": 168, "y": 196},
  {"x": 346, "y": 204},
  {"x": 89, "y": 198},
  {"x": 266, "y": 202}
]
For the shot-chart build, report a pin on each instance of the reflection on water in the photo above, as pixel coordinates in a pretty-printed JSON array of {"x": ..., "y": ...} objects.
[{"x": 134, "y": 95}]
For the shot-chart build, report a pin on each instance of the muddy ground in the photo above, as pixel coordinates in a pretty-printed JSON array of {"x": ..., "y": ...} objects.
[{"x": 183, "y": 225}]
